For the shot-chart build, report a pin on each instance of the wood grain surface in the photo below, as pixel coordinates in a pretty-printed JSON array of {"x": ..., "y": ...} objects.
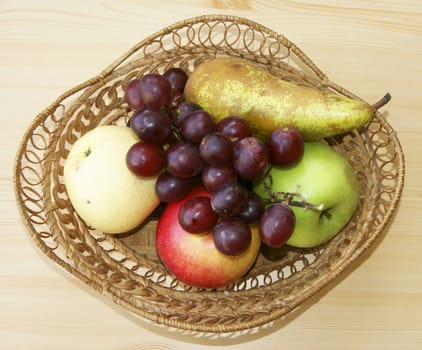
[{"x": 369, "y": 47}]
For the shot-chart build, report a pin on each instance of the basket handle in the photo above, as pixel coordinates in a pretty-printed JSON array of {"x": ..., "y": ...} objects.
[{"x": 212, "y": 18}]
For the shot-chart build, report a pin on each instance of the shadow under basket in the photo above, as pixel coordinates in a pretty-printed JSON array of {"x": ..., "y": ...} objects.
[{"x": 126, "y": 267}]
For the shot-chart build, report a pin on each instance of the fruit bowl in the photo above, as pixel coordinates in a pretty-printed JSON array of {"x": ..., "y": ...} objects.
[{"x": 126, "y": 267}]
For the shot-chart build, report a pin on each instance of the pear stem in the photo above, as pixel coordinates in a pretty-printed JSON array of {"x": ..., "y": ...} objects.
[
  {"x": 287, "y": 197},
  {"x": 377, "y": 105}
]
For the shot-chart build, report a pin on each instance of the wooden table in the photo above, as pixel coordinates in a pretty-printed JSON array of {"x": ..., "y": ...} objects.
[{"x": 369, "y": 47}]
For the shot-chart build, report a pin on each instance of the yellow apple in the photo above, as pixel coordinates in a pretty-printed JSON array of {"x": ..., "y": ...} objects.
[{"x": 101, "y": 188}]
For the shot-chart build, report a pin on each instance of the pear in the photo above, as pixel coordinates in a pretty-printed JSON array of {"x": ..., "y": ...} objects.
[{"x": 235, "y": 86}]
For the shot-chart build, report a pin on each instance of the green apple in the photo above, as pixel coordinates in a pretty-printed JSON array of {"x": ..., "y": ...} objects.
[
  {"x": 325, "y": 183},
  {"x": 101, "y": 188}
]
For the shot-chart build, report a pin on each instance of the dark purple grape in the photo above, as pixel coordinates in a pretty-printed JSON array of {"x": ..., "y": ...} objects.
[
  {"x": 196, "y": 125},
  {"x": 250, "y": 158},
  {"x": 196, "y": 215},
  {"x": 216, "y": 149},
  {"x": 177, "y": 78},
  {"x": 228, "y": 199},
  {"x": 145, "y": 159},
  {"x": 184, "y": 109},
  {"x": 232, "y": 236},
  {"x": 155, "y": 90},
  {"x": 182, "y": 159},
  {"x": 214, "y": 176},
  {"x": 286, "y": 146},
  {"x": 132, "y": 95},
  {"x": 276, "y": 225},
  {"x": 152, "y": 125},
  {"x": 170, "y": 188},
  {"x": 252, "y": 209},
  {"x": 234, "y": 127}
]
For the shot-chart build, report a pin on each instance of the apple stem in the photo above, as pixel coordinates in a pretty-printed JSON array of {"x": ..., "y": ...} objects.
[{"x": 287, "y": 198}]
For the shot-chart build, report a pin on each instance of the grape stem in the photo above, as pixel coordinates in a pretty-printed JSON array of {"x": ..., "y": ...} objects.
[{"x": 288, "y": 198}]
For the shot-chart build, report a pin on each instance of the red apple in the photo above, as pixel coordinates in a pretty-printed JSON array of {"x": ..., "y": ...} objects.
[{"x": 193, "y": 258}]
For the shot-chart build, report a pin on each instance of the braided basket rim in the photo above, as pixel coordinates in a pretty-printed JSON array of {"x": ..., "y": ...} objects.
[{"x": 330, "y": 274}]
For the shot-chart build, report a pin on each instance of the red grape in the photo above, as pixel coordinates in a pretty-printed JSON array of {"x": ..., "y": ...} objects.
[
  {"x": 196, "y": 215},
  {"x": 216, "y": 149},
  {"x": 232, "y": 236},
  {"x": 196, "y": 125},
  {"x": 234, "y": 127},
  {"x": 276, "y": 225},
  {"x": 132, "y": 95},
  {"x": 170, "y": 188},
  {"x": 152, "y": 125},
  {"x": 250, "y": 158},
  {"x": 214, "y": 176},
  {"x": 184, "y": 109},
  {"x": 286, "y": 146},
  {"x": 252, "y": 209},
  {"x": 228, "y": 199},
  {"x": 145, "y": 159},
  {"x": 177, "y": 78},
  {"x": 155, "y": 90},
  {"x": 183, "y": 160}
]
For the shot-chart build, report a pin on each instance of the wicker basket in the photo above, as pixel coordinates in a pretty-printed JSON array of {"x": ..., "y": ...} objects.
[{"x": 126, "y": 267}]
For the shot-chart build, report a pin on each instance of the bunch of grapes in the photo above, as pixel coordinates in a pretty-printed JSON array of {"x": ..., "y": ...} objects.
[{"x": 184, "y": 145}]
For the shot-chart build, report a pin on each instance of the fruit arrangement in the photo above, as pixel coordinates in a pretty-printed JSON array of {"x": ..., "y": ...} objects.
[
  {"x": 237, "y": 157},
  {"x": 126, "y": 267}
]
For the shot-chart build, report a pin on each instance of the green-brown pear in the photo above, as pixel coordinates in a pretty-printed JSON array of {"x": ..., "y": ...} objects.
[{"x": 235, "y": 86}]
